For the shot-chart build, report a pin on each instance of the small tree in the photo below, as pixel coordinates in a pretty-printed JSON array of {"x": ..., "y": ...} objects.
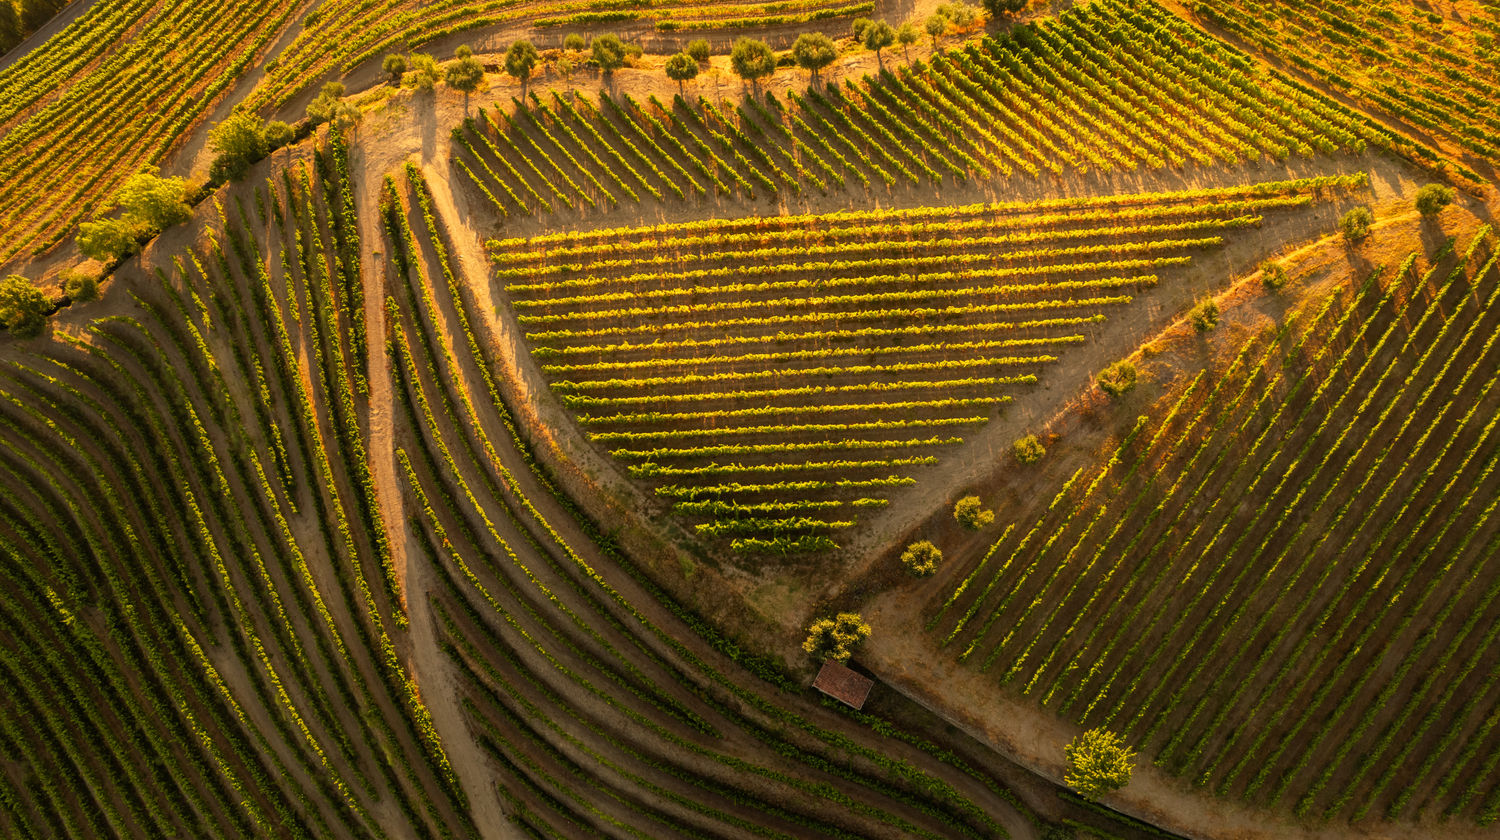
[
  {"x": 23, "y": 307},
  {"x": 153, "y": 203},
  {"x": 1356, "y": 224},
  {"x": 970, "y": 515},
  {"x": 813, "y": 51},
  {"x": 877, "y": 37},
  {"x": 574, "y": 42},
  {"x": 751, "y": 60},
  {"x": 278, "y": 134},
  {"x": 936, "y": 26},
  {"x": 962, "y": 14},
  {"x": 858, "y": 26},
  {"x": 238, "y": 141},
  {"x": 564, "y": 68},
  {"x": 465, "y": 74},
  {"x": 424, "y": 73},
  {"x": 835, "y": 638},
  {"x": 1117, "y": 379},
  {"x": 906, "y": 35},
  {"x": 681, "y": 68},
  {"x": 325, "y": 105},
  {"x": 1205, "y": 316},
  {"x": 394, "y": 66},
  {"x": 80, "y": 286},
  {"x": 698, "y": 49},
  {"x": 1028, "y": 450},
  {"x": 519, "y": 61},
  {"x": 1432, "y": 198},
  {"x": 922, "y": 558},
  {"x": 1272, "y": 275},
  {"x": 996, "y": 8},
  {"x": 106, "y": 240},
  {"x": 1098, "y": 763},
  {"x": 609, "y": 53}
]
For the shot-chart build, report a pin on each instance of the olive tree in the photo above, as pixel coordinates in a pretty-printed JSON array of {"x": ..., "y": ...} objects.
[
  {"x": 1432, "y": 198},
  {"x": 970, "y": 514},
  {"x": 394, "y": 66},
  {"x": 813, "y": 51},
  {"x": 520, "y": 59},
  {"x": 921, "y": 558},
  {"x": 465, "y": 74},
  {"x": 681, "y": 68},
  {"x": 1098, "y": 763},
  {"x": 609, "y": 53},
  {"x": 752, "y": 60},
  {"x": 424, "y": 74},
  {"x": 1118, "y": 379},
  {"x": 238, "y": 141},
  {"x": 877, "y": 36}
]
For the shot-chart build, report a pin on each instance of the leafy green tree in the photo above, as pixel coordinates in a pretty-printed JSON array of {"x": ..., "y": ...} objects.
[
  {"x": 1118, "y": 379},
  {"x": 921, "y": 558},
  {"x": 106, "y": 240},
  {"x": 936, "y": 26},
  {"x": 564, "y": 68},
  {"x": 238, "y": 142},
  {"x": 906, "y": 35},
  {"x": 394, "y": 66},
  {"x": 858, "y": 26},
  {"x": 1432, "y": 198},
  {"x": 877, "y": 37},
  {"x": 609, "y": 53},
  {"x": 152, "y": 202},
  {"x": 574, "y": 42},
  {"x": 23, "y": 307},
  {"x": 519, "y": 61},
  {"x": 1356, "y": 224},
  {"x": 970, "y": 514},
  {"x": 465, "y": 73},
  {"x": 278, "y": 134},
  {"x": 1028, "y": 450},
  {"x": 752, "y": 60},
  {"x": 813, "y": 51},
  {"x": 325, "y": 106},
  {"x": 961, "y": 14},
  {"x": 424, "y": 74},
  {"x": 1205, "y": 316},
  {"x": 1099, "y": 763},
  {"x": 681, "y": 68},
  {"x": 10, "y": 26},
  {"x": 698, "y": 49},
  {"x": 835, "y": 638},
  {"x": 80, "y": 286},
  {"x": 996, "y": 8}
]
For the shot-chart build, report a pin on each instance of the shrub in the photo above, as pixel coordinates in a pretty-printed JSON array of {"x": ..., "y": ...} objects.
[
  {"x": 835, "y": 638},
  {"x": 80, "y": 286},
  {"x": 1028, "y": 450},
  {"x": 698, "y": 49},
  {"x": 1205, "y": 316},
  {"x": 154, "y": 202},
  {"x": 813, "y": 51},
  {"x": 394, "y": 66},
  {"x": 907, "y": 34},
  {"x": 1272, "y": 275},
  {"x": 106, "y": 240},
  {"x": 574, "y": 42},
  {"x": 238, "y": 141},
  {"x": 681, "y": 68},
  {"x": 962, "y": 14},
  {"x": 1098, "y": 763},
  {"x": 1356, "y": 224},
  {"x": 465, "y": 73},
  {"x": 424, "y": 73},
  {"x": 922, "y": 558},
  {"x": 23, "y": 307},
  {"x": 329, "y": 107},
  {"x": 970, "y": 515},
  {"x": 752, "y": 59},
  {"x": 1432, "y": 198},
  {"x": 1117, "y": 379},
  {"x": 609, "y": 53},
  {"x": 996, "y": 8}
]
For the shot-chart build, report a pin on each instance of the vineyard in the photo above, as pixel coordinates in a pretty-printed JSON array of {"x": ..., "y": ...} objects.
[
  {"x": 1415, "y": 65},
  {"x": 1039, "y": 420},
  {"x": 1296, "y": 552},
  {"x": 775, "y": 378}
]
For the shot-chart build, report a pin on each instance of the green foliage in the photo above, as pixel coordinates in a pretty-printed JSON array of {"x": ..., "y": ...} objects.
[
  {"x": 1118, "y": 379},
  {"x": 1432, "y": 198},
  {"x": 155, "y": 203},
  {"x": 681, "y": 68},
  {"x": 813, "y": 51},
  {"x": 106, "y": 240},
  {"x": 971, "y": 515},
  {"x": 1273, "y": 275},
  {"x": 465, "y": 74},
  {"x": 1098, "y": 763},
  {"x": 238, "y": 141},
  {"x": 520, "y": 59},
  {"x": 835, "y": 638},
  {"x": 961, "y": 14},
  {"x": 574, "y": 42},
  {"x": 936, "y": 26},
  {"x": 394, "y": 66},
  {"x": 877, "y": 36},
  {"x": 698, "y": 49},
  {"x": 278, "y": 134},
  {"x": 80, "y": 286},
  {"x": 1356, "y": 224},
  {"x": 858, "y": 26},
  {"x": 907, "y": 34},
  {"x": 1028, "y": 450},
  {"x": 329, "y": 107},
  {"x": 609, "y": 53},
  {"x": 921, "y": 558},
  {"x": 752, "y": 59},
  {"x": 996, "y": 8},
  {"x": 424, "y": 74},
  {"x": 23, "y": 307},
  {"x": 1205, "y": 316}
]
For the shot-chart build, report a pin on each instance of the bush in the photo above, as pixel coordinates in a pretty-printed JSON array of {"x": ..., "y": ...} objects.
[
  {"x": 1028, "y": 450},
  {"x": 1098, "y": 763},
  {"x": 1432, "y": 198},
  {"x": 238, "y": 141},
  {"x": 970, "y": 515},
  {"x": 106, "y": 240},
  {"x": 424, "y": 73},
  {"x": 1205, "y": 316},
  {"x": 154, "y": 202},
  {"x": 465, "y": 74},
  {"x": 1118, "y": 379},
  {"x": 921, "y": 558},
  {"x": 23, "y": 307},
  {"x": 858, "y": 26},
  {"x": 996, "y": 8},
  {"x": 520, "y": 59},
  {"x": 80, "y": 286},
  {"x": 835, "y": 638},
  {"x": 394, "y": 66},
  {"x": 1272, "y": 275},
  {"x": 329, "y": 107},
  {"x": 698, "y": 49},
  {"x": 1356, "y": 224},
  {"x": 574, "y": 42},
  {"x": 609, "y": 53}
]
